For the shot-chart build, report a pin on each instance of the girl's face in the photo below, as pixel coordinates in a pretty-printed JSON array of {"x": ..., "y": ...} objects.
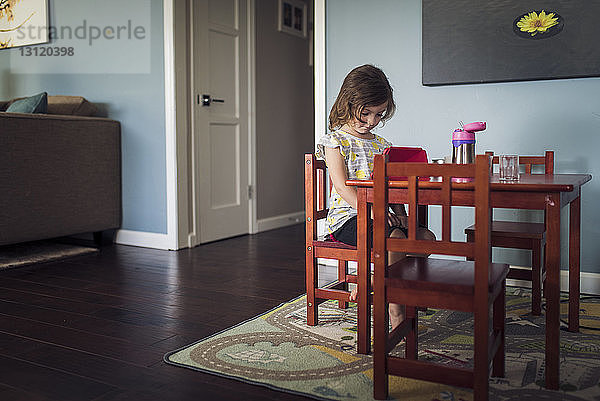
[{"x": 370, "y": 117}]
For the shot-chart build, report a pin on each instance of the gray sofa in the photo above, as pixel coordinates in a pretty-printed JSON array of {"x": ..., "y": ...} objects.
[{"x": 60, "y": 174}]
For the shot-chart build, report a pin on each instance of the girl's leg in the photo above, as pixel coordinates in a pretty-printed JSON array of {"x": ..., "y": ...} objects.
[
  {"x": 396, "y": 311},
  {"x": 393, "y": 257},
  {"x": 354, "y": 292}
]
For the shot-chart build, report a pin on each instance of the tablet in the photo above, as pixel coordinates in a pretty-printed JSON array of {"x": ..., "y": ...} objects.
[{"x": 406, "y": 154}]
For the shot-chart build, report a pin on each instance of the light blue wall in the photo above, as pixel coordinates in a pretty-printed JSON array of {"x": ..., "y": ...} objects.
[
  {"x": 523, "y": 117},
  {"x": 136, "y": 98}
]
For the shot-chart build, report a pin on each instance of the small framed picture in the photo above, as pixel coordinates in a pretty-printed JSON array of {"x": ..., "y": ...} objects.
[{"x": 292, "y": 17}]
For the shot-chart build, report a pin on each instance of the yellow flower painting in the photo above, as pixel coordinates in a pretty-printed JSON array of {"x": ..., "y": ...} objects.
[{"x": 508, "y": 41}]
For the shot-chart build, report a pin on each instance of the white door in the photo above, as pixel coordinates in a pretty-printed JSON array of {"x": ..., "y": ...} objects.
[{"x": 220, "y": 126}]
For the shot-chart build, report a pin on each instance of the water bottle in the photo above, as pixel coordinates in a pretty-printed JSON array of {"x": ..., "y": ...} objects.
[
  {"x": 463, "y": 147},
  {"x": 463, "y": 142}
]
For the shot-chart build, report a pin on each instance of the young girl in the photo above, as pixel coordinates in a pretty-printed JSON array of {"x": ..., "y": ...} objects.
[{"x": 365, "y": 100}]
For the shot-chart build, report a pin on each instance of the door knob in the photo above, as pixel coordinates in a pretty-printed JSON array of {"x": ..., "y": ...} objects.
[{"x": 206, "y": 100}]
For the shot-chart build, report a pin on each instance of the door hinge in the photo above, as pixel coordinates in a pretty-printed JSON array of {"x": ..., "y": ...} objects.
[{"x": 250, "y": 192}]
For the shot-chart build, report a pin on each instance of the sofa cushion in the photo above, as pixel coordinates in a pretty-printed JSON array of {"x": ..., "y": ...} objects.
[
  {"x": 32, "y": 104},
  {"x": 70, "y": 105}
]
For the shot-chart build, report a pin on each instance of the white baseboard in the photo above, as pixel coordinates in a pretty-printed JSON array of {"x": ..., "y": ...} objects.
[
  {"x": 589, "y": 282},
  {"x": 143, "y": 239},
  {"x": 283, "y": 220},
  {"x": 162, "y": 241}
]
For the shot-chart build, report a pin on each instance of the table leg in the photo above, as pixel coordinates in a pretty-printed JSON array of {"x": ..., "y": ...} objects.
[
  {"x": 363, "y": 271},
  {"x": 552, "y": 290},
  {"x": 574, "y": 255}
]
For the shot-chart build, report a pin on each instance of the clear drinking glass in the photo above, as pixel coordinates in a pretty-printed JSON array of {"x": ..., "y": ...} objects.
[
  {"x": 439, "y": 160},
  {"x": 509, "y": 167}
]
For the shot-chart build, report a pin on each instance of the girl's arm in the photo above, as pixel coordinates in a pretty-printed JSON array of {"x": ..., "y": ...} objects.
[{"x": 337, "y": 173}]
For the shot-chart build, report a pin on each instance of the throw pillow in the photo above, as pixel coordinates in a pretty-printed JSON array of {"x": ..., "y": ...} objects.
[
  {"x": 33, "y": 104},
  {"x": 70, "y": 105}
]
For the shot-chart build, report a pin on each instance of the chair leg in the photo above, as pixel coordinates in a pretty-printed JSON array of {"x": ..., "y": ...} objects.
[
  {"x": 536, "y": 279},
  {"x": 481, "y": 348},
  {"x": 342, "y": 272},
  {"x": 412, "y": 338},
  {"x": 380, "y": 328},
  {"x": 312, "y": 311},
  {"x": 498, "y": 368}
]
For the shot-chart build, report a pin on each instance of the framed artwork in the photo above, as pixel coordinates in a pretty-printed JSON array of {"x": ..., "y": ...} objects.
[
  {"x": 292, "y": 17},
  {"x": 478, "y": 41},
  {"x": 23, "y": 23}
]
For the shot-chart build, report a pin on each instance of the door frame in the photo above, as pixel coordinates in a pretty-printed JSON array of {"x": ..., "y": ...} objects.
[
  {"x": 320, "y": 69},
  {"x": 172, "y": 165},
  {"x": 179, "y": 114}
]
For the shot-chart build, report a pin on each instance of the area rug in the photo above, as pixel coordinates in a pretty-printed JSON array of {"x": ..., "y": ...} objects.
[
  {"x": 278, "y": 350},
  {"x": 27, "y": 253}
]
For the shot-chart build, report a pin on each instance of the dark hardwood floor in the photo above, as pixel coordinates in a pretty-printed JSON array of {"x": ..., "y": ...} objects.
[{"x": 96, "y": 327}]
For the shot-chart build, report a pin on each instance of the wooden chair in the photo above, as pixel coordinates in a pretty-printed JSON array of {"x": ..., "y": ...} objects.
[
  {"x": 471, "y": 286},
  {"x": 315, "y": 179},
  {"x": 315, "y": 182},
  {"x": 523, "y": 235}
]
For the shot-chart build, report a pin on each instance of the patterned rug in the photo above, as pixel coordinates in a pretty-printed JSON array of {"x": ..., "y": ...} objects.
[
  {"x": 278, "y": 350},
  {"x": 27, "y": 253}
]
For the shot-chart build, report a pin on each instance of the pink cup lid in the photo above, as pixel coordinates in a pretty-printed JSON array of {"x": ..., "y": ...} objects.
[{"x": 476, "y": 126}]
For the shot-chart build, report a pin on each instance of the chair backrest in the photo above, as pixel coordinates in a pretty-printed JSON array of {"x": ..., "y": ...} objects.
[
  {"x": 447, "y": 194},
  {"x": 529, "y": 161},
  {"x": 314, "y": 193}
]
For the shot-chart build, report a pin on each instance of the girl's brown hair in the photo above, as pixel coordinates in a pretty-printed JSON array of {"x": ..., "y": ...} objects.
[{"x": 364, "y": 86}]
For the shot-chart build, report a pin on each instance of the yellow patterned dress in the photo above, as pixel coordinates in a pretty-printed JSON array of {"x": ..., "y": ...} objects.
[{"x": 358, "y": 155}]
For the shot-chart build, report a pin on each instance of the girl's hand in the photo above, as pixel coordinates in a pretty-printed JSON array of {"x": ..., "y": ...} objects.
[{"x": 394, "y": 220}]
